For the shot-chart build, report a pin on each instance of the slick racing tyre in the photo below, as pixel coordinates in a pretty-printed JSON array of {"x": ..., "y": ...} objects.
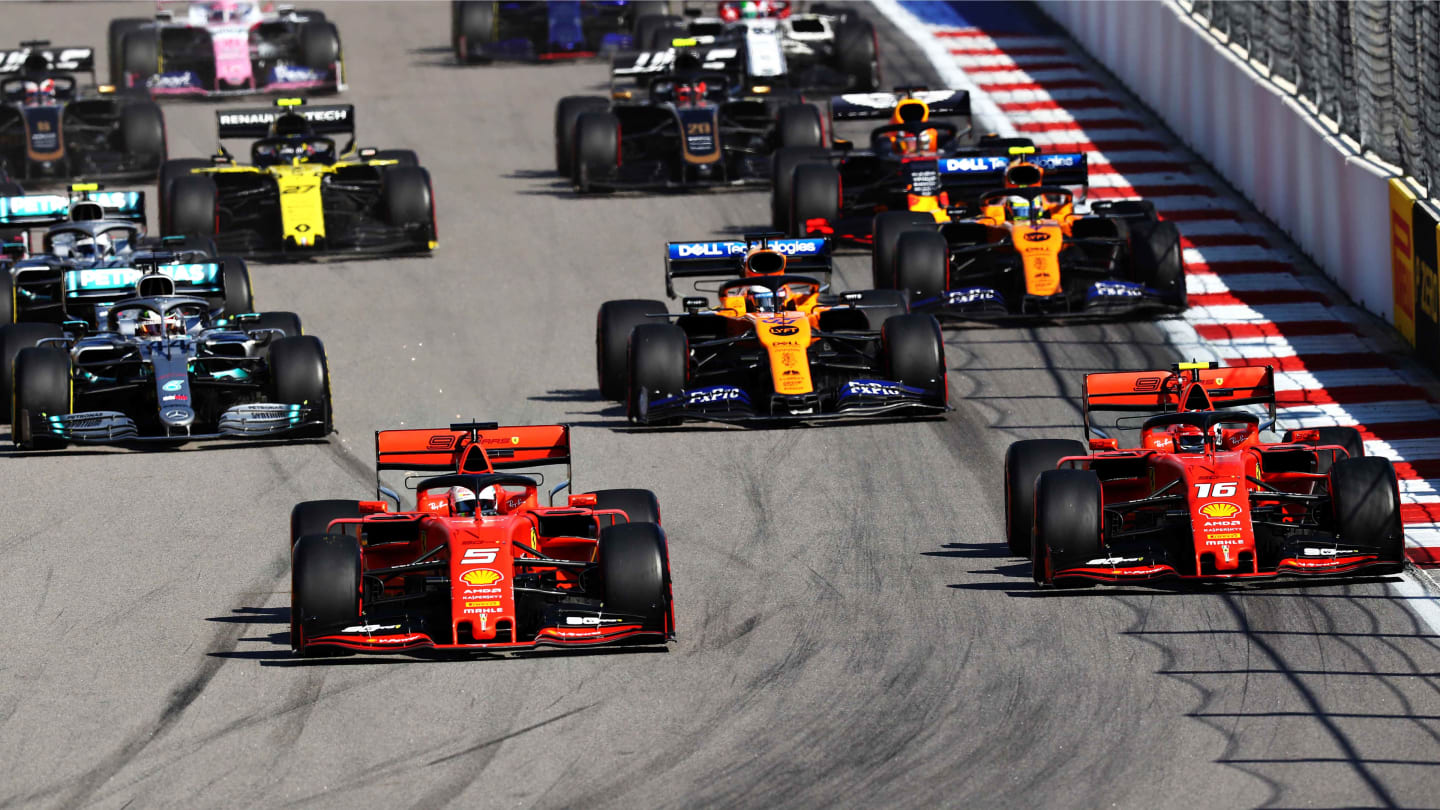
[
  {"x": 659, "y": 365},
  {"x": 314, "y": 517},
  {"x": 15, "y": 337},
  {"x": 235, "y": 283},
  {"x": 142, "y": 134},
  {"x": 1347, "y": 437},
  {"x": 799, "y": 125},
  {"x": 299, "y": 375},
  {"x": 816, "y": 195},
  {"x": 410, "y": 203},
  {"x": 856, "y": 55},
  {"x": 191, "y": 206},
  {"x": 1366, "y": 503},
  {"x": 319, "y": 45},
  {"x": 324, "y": 587},
  {"x": 635, "y": 572},
  {"x": 887, "y": 229},
  {"x": 1024, "y": 461},
  {"x": 782, "y": 180},
  {"x": 118, "y": 30},
  {"x": 7, "y": 298},
  {"x": 567, "y": 116},
  {"x": 640, "y": 505},
  {"x": 914, "y": 352},
  {"x": 922, "y": 265},
  {"x": 288, "y": 323},
  {"x": 1155, "y": 255},
  {"x": 1067, "y": 526},
  {"x": 597, "y": 151},
  {"x": 42, "y": 388},
  {"x": 139, "y": 56},
  {"x": 615, "y": 322},
  {"x": 472, "y": 26},
  {"x": 170, "y": 171}
]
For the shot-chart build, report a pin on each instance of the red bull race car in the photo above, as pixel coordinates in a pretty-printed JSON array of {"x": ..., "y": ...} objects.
[
  {"x": 478, "y": 564},
  {"x": 1201, "y": 496}
]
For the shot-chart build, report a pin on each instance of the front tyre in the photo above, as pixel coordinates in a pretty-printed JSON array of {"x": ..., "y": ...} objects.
[
  {"x": 325, "y": 574},
  {"x": 299, "y": 375},
  {"x": 42, "y": 388},
  {"x": 614, "y": 324}
]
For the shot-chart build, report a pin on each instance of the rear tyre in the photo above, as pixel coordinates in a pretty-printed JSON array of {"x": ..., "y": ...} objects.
[
  {"x": 314, "y": 517},
  {"x": 192, "y": 206},
  {"x": 816, "y": 195},
  {"x": 299, "y": 375},
  {"x": 640, "y": 505},
  {"x": 235, "y": 275},
  {"x": 635, "y": 573},
  {"x": 1067, "y": 525},
  {"x": 659, "y": 364},
  {"x": 410, "y": 203},
  {"x": 1158, "y": 263},
  {"x": 471, "y": 24},
  {"x": 324, "y": 587},
  {"x": 139, "y": 56},
  {"x": 567, "y": 117},
  {"x": 615, "y": 322},
  {"x": 42, "y": 388},
  {"x": 798, "y": 125},
  {"x": 856, "y": 55},
  {"x": 1025, "y": 460},
  {"x": 319, "y": 45},
  {"x": 114, "y": 40},
  {"x": 16, "y": 337},
  {"x": 142, "y": 134},
  {"x": 170, "y": 170},
  {"x": 1347, "y": 437},
  {"x": 782, "y": 180},
  {"x": 597, "y": 150},
  {"x": 922, "y": 266},
  {"x": 889, "y": 225},
  {"x": 914, "y": 351},
  {"x": 1366, "y": 503}
]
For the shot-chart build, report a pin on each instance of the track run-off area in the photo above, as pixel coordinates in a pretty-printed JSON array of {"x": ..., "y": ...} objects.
[{"x": 851, "y": 628}]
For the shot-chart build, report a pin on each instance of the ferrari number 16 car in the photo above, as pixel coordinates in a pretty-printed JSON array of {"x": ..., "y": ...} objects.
[
  {"x": 1202, "y": 496},
  {"x": 778, "y": 348},
  {"x": 478, "y": 564},
  {"x": 300, "y": 195}
]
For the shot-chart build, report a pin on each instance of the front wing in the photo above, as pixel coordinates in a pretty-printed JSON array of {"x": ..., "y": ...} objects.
[
  {"x": 250, "y": 421},
  {"x": 856, "y": 399},
  {"x": 1099, "y": 299}
]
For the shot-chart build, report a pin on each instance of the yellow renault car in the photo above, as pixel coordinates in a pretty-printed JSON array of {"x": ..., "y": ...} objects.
[{"x": 299, "y": 195}]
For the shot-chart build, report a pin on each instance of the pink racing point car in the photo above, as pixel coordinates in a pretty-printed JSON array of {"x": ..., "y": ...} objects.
[{"x": 227, "y": 48}]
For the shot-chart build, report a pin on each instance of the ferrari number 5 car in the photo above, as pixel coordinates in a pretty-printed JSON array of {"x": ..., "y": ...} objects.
[
  {"x": 300, "y": 195},
  {"x": 479, "y": 564},
  {"x": 1202, "y": 496},
  {"x": 779, "y": 347}
]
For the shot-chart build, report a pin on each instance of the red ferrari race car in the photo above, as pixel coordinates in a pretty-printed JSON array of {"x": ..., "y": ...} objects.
[
  {"x": 478, "y": 564},
  {"x": 1201, "y": 496}
]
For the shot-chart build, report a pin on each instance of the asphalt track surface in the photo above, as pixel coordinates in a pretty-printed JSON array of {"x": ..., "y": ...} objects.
[{"x": 852, "y": 631}]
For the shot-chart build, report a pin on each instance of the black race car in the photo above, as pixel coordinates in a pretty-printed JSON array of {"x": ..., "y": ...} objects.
[
  {"x": 689, "y": 126},
  {"x": 52, "y": 129}
]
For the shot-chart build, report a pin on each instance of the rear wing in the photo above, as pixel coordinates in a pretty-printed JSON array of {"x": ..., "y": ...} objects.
[
  {"x": 50, "y": 209},
  {"x": 986, "y": 172},
  {"x": 806, "y": 257},
  {"x": 327, "y": 119},
  {"x": 880, "y": 106},
  {"x": 472, "y": 447},
  {"x": 67, "y": 58},
  {"x": 1186, "y": 387},
  {"x": 112, "y": 283}
]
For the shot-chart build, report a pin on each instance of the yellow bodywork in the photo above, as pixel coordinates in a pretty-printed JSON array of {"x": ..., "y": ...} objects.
[{"x": 302, "y": 211}]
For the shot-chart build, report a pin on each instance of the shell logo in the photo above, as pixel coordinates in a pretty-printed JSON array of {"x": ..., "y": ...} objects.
[
  {"x": 481, "y": 576},
  {"x": 1220, "y": 509}
]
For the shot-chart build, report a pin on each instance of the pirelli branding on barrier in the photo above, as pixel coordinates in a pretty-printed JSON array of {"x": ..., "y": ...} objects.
[
  {"x": 1402, "y": 256},
  {"x": 1427, "y": 285}
]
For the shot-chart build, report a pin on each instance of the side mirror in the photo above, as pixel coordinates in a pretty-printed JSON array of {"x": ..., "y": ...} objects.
[
  {"x": 693, "y": 304},
  {"x": 588, "y": 499},
  {"x": 371, "y": 507},
  {"x": 1104, "y": 444},
  {"x": 1305, "y": 437}
]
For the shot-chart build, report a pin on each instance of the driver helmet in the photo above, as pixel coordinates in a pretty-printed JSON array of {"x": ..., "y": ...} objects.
[
  {"x": 760, "y": 299},
  {"x": 289, "y": 152},
  {"x": 1190, "y": 440},
  {"x": 489, "y": 497},
  {"x": 462, "y": 501},
  {"x": 91, "y": 247},
  {"x": 40, "y": 92},
  {"x": 1017, "y": 207},
  {"x": 150, "y": 324},
  {"x": 690, "y": 93}
]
